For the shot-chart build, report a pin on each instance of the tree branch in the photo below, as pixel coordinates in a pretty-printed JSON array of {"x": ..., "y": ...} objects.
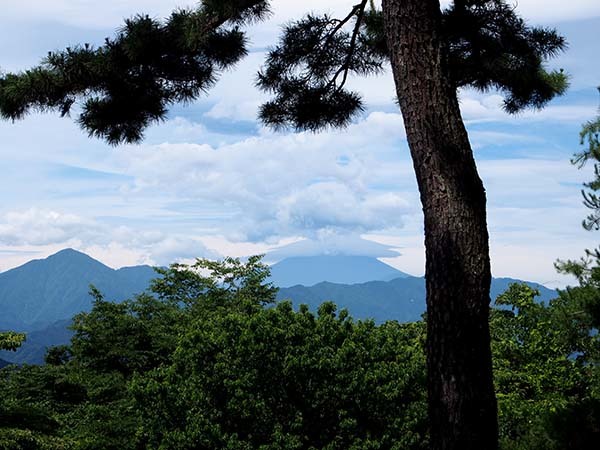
[{"x": 360, "y": 11}]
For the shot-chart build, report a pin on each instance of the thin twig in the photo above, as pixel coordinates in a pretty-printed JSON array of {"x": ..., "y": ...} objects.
[{"x": 360, "y": 9}]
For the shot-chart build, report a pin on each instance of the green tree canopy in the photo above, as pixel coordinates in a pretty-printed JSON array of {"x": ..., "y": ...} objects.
[
  {"x": 10, "y": 340},
  {"x": 207, "y": 362},
  {"x": 202, "y": 365},
  {"x": 546, "y": 371}
]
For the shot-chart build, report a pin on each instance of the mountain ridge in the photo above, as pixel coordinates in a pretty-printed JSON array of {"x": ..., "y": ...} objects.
[
  {"x": 43, "y": 291},
  {"x": 52, "y": 290},
  {"x": 401, "y": 299}
]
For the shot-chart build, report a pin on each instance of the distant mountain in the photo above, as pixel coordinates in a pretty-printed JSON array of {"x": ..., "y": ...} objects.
[
  {"x": 42, "y": 292},
  {"x": 310, "y": 270},
  {"x": 42, "y": 296},
  {"x": 500, "y": 285},
  {"x": 401, "y": 299},
  {"x": 3, "y": 363}
]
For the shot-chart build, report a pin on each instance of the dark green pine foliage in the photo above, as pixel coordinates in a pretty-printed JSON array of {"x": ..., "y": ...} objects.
[
  {"x": 590, "y": 138},
  {"x": 309, "y": 68},
  {"x": 127, "y": 84},
  {"x": 489, "y": 47},
  {"x": 587, "y": 269}
]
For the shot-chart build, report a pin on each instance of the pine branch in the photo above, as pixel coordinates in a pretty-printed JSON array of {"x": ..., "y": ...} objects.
[
  {"x": 309, "y": 69},
  {"x": 131, "y": 81}
]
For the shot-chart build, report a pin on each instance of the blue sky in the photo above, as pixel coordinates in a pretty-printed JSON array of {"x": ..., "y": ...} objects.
[{"x": 210, "y": 181}]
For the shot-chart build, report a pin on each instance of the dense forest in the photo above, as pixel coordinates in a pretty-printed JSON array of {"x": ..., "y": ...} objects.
[{"x": 208, "y": 360}]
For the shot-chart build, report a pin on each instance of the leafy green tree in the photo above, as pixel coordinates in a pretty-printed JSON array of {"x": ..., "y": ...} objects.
[
  {"x": 31, "y": 399},
  {"x": 578, "y": 424},
  {"x": 546, "y": 372},
  {"x": 274, "y": 378},
  {"x": 131, "y": 81},
  {"x": 80, "y": 399},
  {"x": 9, "y": 340},
  {"x": 135, "y": 335},
  {"x": 207, "y": 362}
]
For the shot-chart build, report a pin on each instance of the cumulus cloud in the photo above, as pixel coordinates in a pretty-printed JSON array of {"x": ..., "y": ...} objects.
[
  {"x": 477, "y": 107},
  {"x": 327, "y": 205},
  {"x": 42, "y": 227},
  {"x": 178, "y": 249},
  {"x": 237, "y": 110},
  {"x": 34, "y": 227},
  {"x": 275, "y": 185},
  {"x": 224, "y": 181}
]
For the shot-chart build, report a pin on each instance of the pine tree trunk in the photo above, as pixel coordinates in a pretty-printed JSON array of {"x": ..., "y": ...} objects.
[{"x": 462, "y": 404}]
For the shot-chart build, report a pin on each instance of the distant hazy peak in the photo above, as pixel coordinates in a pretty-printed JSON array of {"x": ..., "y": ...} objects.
[
  {"x": 310, "y": 270},
  {"x": 43, "y": 291}
]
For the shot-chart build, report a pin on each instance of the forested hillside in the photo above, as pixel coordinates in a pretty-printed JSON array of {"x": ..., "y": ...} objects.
[
  {"x": 203, "y": 363},
  {"x": 401, "y": 299}
]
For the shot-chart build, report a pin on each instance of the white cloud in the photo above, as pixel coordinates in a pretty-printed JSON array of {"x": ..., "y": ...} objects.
[
  {"x": 179, "y": 249},
  {"x": 483, "y": 139},
  {"x": 276, "y": 185},
  {"x": 88, "y": 13},
  {"x": 332, "y": 243},
  {"x": 237, "y": 110},
  {"x": 42, "y": 227},
  {"x": 109, "y": 13},
  {"x": 191, "y": 183},
  {"x": 533, "y": 182},
  {"x": 51, "y": 230},
  {"x": 545, "y": 11},
  {"x": 325, "y": 205},
  {"x": 477, "y": 107},
  {"x": 552, "y": 10}
]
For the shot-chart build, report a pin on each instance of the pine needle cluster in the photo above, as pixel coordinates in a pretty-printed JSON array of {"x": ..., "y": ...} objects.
[
  {"x": 129, "y": 82},
  {"x": 125, "y": 85},
  {"x": 488, "y": 47}
]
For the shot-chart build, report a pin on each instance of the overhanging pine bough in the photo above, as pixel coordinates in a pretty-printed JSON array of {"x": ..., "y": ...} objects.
[{"x": 130, "y": 82}]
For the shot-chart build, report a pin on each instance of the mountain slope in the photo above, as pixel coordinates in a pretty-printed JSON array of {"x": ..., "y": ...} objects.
[
  {"x": 45, "y": 291},
  {"x": 401, "y": 299},
  {"x": 341, "y": 269},
  {"x": 42, "y": 296}
]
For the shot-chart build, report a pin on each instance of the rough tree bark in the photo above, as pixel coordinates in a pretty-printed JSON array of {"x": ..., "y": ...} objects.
[{"x": 462, "y": 404}]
